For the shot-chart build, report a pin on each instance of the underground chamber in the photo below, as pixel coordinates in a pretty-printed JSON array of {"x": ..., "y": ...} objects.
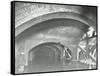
[
  {"x": 52, "y": 38},
  {"x": 57, "y": 44}
]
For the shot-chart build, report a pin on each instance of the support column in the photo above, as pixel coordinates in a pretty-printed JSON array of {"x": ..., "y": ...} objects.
[{"x": 74, "y": 53}]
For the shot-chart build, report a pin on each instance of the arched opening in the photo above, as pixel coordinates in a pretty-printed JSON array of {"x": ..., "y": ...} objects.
[{"x": 47, "y": 56}]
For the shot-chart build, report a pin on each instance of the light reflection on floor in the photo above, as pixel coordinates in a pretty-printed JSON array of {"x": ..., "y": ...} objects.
[{"x": 72, "y": 65}]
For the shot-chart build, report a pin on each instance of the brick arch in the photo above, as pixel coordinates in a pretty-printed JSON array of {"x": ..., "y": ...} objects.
[
  {"x": 49, "y": 44},
  {"x": 55, "y": 15},
  {"x": 53, "y": 45}
]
